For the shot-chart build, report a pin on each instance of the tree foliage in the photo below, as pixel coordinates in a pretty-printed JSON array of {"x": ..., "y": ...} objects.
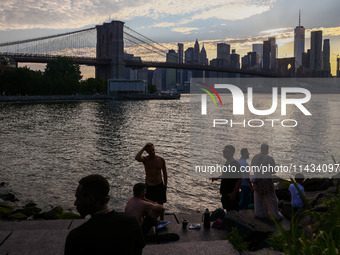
[{"x": 61, "y": 77}]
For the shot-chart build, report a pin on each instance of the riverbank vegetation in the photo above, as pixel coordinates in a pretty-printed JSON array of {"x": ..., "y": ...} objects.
[{"x": 61, "y": 77}]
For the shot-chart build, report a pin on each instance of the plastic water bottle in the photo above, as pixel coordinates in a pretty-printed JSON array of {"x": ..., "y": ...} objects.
[{"x": 206, "y": 221}]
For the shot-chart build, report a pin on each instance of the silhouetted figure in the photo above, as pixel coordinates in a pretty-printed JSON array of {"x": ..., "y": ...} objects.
[
  {"x": 246, "y": 185},
  {"x": 264, "y": 194},
  {"x": 146, "y": 211},
  {"x": 154, "y": 168},
  {"x": 107, "y": 231}
]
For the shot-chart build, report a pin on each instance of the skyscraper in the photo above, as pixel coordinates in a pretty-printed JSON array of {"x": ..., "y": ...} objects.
[
  {"x": 258, "y": 48},
  {"x": 170, "y": 73},
  {"x": 223, "y": 51},
  {"x": 315, "y": 51},
  {"x": 180, "y": 53},
  {"x": 273, "y": 53},
  {"x": 326, "y": 54},
  {"x": 266, "y": 55},
  {"x": 203, "y": 56},
  {"x": 196, "y": 56},
  {"x": 338, "y": 67},
  {"x": 299, "y": 43}
]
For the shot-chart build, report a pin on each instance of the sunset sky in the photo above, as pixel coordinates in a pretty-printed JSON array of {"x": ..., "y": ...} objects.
[{"x": 237, "y": 22}]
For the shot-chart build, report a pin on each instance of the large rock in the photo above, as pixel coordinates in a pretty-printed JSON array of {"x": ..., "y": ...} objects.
[
  {"x": 6, "y": 208},
  {"x": 254, "y": 230},
  {"x": 317, "y": 184},
  {"x": 9, "y": 197},
  {"x": 283, "y": 194},
  {"x": 286, "y": 209}
]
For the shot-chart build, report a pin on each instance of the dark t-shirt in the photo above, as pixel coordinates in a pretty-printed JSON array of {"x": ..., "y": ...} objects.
[
  {"x": 229, "y": 179},
  {"x": 111, "y": 233}
]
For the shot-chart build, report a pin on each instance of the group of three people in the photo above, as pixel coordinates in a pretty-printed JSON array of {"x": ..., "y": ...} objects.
[
  {"x": 110, "y": 232},
  {"x": 265, "y": 199}
]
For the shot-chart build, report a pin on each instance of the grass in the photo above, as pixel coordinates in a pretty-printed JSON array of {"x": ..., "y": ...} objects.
[{"x": 324, "y": 237}]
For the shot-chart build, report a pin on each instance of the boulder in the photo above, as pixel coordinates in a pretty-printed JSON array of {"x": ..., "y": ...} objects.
[
  {"x": 286, "y": 209},
  {"x": 9, "y": 197},
  {"x": 283, "y": 194},
  {"x": 254, "y": 230},
  {"x": 6, "y": 208},
  {"x": 317, "y": 184},
  {"x": 53, "y": 214}
]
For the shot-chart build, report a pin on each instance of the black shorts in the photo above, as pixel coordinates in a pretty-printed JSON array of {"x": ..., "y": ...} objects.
[{"x": 156, "y": 193}]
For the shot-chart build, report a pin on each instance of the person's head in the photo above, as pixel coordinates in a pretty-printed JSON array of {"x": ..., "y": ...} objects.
[
  {"x": 92, "y": 194},
  {"x": 150, "y": 149},
  {"x": 245, "y": 153},
  {"x": 228, "y": 152},
  {"x": 139, "y": 190},
  {"x": 299, "y": 178},
  {"x": 264, "y": 148}
]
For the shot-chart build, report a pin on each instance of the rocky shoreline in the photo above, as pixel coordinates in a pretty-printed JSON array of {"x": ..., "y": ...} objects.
[{"x": 10, "y": 211}]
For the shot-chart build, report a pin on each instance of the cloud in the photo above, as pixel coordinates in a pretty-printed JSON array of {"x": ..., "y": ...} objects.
[
  {"x": 184, "y": 30},
  {"x": 58, "y": 14},
  {"x": 165, "y": 24}
]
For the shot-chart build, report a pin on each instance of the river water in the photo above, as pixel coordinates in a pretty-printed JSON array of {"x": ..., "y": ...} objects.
[{"x": 47, "y": 147}]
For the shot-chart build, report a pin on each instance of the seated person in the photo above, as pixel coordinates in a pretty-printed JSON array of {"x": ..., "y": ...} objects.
[
  {"x": 107, "y": 231},
  {"x": 146, "y": 211},
  {"x": 296, "y": 200}
]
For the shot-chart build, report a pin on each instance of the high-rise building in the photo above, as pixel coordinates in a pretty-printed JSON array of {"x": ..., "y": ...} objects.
[
  {"x": 253, "y": 59},
  {"x": 315, "y": 51},
  {"x": 196, "y": 57},
  {"x": 338, "y": 67},
  {"x": 170, "y": 73},
  {"x": 189, "y": 55},
  {"x": 258, "y": 48},
  {"x": 234, "y": 59},
  {"x": 245, "y": 62},
  {"x": 180, "y": 53},
  {"x": 273, "y": 53},
  {"x": 299, "y": 43},
  {"x": 223, "y": 51},
  {"x": 203, "y": 56},
  {"x": 326, "y": 54},
  {"x": 180, "y": 61},
  {"x": 266, "y": 55}
]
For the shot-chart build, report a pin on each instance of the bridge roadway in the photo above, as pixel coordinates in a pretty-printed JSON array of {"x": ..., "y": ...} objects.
[{"x": 33, "y": 58}]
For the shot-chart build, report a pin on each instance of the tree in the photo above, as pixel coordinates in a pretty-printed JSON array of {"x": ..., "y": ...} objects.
[{"x": 63, "y": 76}]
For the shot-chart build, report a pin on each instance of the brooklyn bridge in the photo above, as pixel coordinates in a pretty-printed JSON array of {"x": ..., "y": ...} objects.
[{"x": 104, "y": 47}]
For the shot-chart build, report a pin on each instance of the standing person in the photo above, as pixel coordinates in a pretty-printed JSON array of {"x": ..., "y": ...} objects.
[
  {"x": 106, "y": 232},
  {"x": 264, "y": 193},
  {"x": 154, "y": 168},
  {"x": 296, "y": 200},
  {"x": 246, "y": 185},
  {"x": 230, "y": 181},
  {"x": 144, "y": 210}
]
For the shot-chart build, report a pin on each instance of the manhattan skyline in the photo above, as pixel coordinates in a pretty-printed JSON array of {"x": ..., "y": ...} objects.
[{"x": 238, "y": 23}]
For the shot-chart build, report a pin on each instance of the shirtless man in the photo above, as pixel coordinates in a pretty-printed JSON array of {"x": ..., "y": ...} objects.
[
  {"x": 146, "y": 211},
  {"x": 154, "y": 167}
]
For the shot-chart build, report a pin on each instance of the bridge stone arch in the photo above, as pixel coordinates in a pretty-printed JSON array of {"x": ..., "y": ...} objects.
[{"x": 110, "y": 46}]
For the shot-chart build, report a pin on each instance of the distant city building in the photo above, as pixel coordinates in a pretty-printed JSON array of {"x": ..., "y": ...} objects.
[
  {"x": 223, "y": 51},
  {"x": 245, "y": 62},
  {"x": 258, "y": 48},
  {"x": 306, "y": 60},
  {"x": 299, "y": 43},
  {"x": 269, "y": 54},
  {"x": 316, "y": 51},
  {"x": 170, "y": 73},
  {"x": 189, "y": 55},
  {"x": 196, "y": 56},
  {"x": 203, "y": 56},
  {"x": 234, "y": 60},
  {"x": 326, "y": 54},
  {"x": 180, "y": 53},
  {"x": 338, "y": 67},
  {"x": 273, "y": 53},
  {"x": 180, "y": 80}
]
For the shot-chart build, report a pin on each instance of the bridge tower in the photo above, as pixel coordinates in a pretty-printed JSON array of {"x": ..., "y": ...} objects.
[{"x": 110, "y": 45}]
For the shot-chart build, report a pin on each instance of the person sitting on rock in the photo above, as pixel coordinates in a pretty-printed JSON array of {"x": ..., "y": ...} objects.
[
  {"x": 146, "y": 211},
  {"x": 296, "y": 200}
]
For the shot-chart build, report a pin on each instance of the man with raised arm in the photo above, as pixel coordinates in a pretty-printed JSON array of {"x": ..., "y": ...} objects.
[{"x": 156, "y": 184}]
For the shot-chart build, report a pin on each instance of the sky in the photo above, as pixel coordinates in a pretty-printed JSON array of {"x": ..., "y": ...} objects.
[{"x": 237, "y": 22}]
